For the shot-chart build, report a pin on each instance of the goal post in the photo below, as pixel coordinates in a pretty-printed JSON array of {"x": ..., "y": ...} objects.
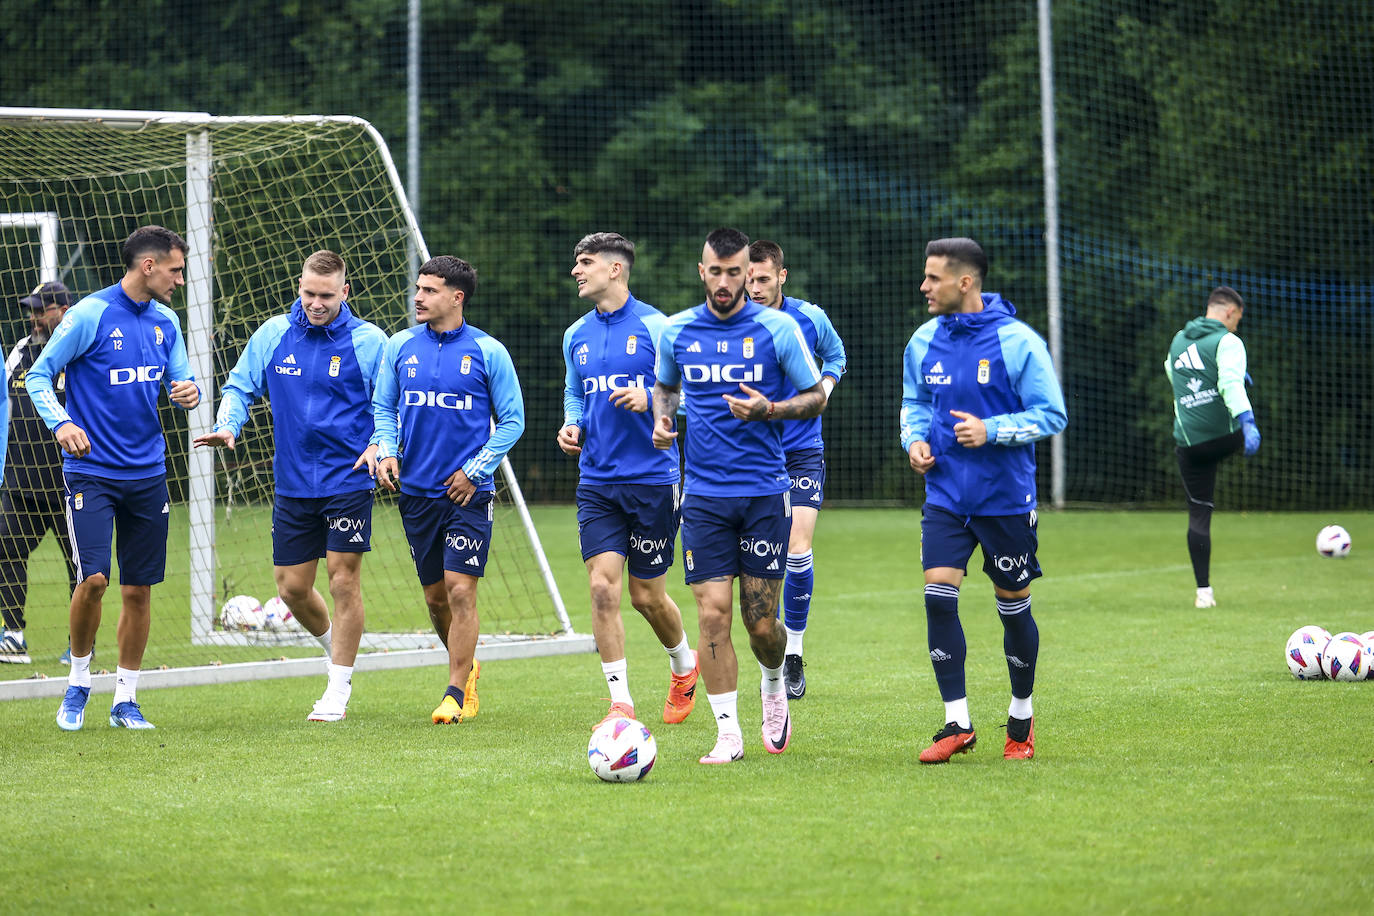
[{"x": 253, "y": 196}]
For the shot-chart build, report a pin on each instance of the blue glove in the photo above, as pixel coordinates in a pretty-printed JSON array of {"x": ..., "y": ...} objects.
[
  {"x": 1251, "y": 431},
  {"x": 1249, "y": 382}
]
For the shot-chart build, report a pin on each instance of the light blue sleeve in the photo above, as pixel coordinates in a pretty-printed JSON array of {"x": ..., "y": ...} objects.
[
  {"x": 1231, "y": 374},
  {"x": 248, "y": 379},
  {"x": 386, "y": 397},
  {"x": 369, "y": 343},
  {"x": 1032, "y": 375},
  {"x": 918, "y": 404},
  {"x": 507, "y": 404},
  {"x": 572, "y": 386},
  {"x": 665, "y": 365},
  {"x": 793, "y": 352},
  {"x": 829, "y": 347},
  {"x": 72, "y": 338}
]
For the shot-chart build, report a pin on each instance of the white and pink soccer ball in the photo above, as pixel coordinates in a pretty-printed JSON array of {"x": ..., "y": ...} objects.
[
  {"x": 1345, "y": 658},
  {"x": 621, "y": 750},
  {"x": 242, "y": 612},
  {"x": 1333, "y": 541},
  {"x": 277, "y": 616},
  {"x": 1304, "y": 651}
]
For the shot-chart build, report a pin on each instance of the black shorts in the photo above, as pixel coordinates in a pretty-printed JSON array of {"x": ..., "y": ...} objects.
[{"x": 1197, "y": 464}]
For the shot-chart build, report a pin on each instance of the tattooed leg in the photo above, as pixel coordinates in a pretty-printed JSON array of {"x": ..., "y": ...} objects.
[
  {"x": 758, "y": 606},
  {"x": 719, "y": 666}
]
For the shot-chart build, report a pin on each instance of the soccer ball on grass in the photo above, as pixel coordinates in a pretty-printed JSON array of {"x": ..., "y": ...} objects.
[
  {"x": 1304, "y": 650},
  {"x": 621, "y": 750},
  {"x": 242, "y": 612},
  {"x": 278, "y": 615},
  {"x": 1345, "y": 658},
  {"x": 1333, "y": 541}
]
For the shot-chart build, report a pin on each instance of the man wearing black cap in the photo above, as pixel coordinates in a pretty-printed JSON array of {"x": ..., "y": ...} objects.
[{"x": 32, "y": 503}]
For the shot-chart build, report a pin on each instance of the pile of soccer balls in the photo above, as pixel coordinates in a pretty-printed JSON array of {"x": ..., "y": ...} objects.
[
  {"x": 621, "y": 750},
  {"x": 245, "y": 613},
  {"x": 1314, "y": 654}
]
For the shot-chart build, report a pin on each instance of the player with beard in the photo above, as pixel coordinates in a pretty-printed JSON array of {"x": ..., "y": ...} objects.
[{"x": 730, "y": 361}]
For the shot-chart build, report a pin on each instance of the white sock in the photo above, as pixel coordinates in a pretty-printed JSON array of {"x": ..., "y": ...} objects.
[
  {"x": 794, "y": 641},
  {"x": 725, "y": 708},
  {"x": 341, "y": 680},
  {"x": 771, "y": 684},
  {"x": 80, "y": 675},
  {"x": 126, "y": 686},
  {"x": 326, "y": 639},
  {"x": 618, "y": 681},
  {"x": 1020, "y": 709},
  {"x": 681, "y": 658},
  {"x": 956, "y": 711}
]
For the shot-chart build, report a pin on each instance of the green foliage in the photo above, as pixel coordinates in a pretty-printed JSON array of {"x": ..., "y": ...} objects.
[{"x": 1197, "y": 143}]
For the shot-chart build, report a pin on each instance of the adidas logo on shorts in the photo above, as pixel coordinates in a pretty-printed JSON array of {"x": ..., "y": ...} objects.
[{"x": 472, "y": 561}]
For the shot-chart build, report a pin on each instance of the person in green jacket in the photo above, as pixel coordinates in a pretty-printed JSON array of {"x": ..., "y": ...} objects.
[{"x": 1212, "y": 416}]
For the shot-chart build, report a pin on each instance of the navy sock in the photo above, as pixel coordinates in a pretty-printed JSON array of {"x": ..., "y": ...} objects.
[
  {"x": 456, "y": 693},
  {"x": 796, "y": 591},
  {"x": 1021, "y": 642},
  {"x": 945, "y": 637}
]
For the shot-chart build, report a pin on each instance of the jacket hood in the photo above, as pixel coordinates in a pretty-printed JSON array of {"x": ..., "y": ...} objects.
[
  {"x": 339, "y": 323},
  {"x": 995, "y": 310},
  {"x": 1202, "y": 327}
]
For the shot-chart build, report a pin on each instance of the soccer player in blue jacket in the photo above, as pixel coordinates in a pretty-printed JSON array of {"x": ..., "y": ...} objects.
[
  {"x": 978, "y": 390},
  {"x": 627, "y": 490},
  {"x": 439, "y": 386},
  {"x": 733, "y": 363},
  {"x": 119, "y": 347},
  {"x": 804, "y": 448},
  {"x": 318, "y": 366}
]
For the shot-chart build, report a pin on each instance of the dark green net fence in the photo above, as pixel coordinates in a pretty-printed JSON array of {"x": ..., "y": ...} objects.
[{"x": 1198, "y": 143}]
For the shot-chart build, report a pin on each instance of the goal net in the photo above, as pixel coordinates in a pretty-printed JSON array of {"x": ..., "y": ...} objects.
[{"x": 253, "y": 196}]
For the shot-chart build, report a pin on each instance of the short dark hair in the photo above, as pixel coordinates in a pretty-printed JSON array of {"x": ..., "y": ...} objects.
[
  {"x": 962, "y": 251},
  {"x": 1225, "y": 295},
  {"x": 455, "y": 272},
  {"x": 153, "y": 240},
  {"x": 325, "y": 263},
  {"x": 725, "y": 242},
  {"x": 612, "y": 243},
  {"x": 764, "y": 250}
]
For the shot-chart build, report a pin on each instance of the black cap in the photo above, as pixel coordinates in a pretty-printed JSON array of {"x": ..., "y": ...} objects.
[{"x": 51, "y": 293}]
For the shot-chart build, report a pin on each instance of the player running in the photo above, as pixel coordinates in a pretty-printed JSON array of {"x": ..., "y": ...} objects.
[
  {"x": 438, "y": 388},
  {"x": 318, "y": 366},
  {"x": 978, "y": 389},
  {"x": 730, "y": 359},
  {"x": 119, "y": 347},
  {"x": 627, "y": 490},
  {"x": 804, "y": 448}
]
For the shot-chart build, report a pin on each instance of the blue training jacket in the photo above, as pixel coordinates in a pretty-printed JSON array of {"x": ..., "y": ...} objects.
[
  {"x": 995, "y": 367},
  {"x": 118, "y": 354},
  {"x": 319, "y": 381},
  {"x": 442, "y": 390},
  {"x": 603, "y": 351},
  {"x": 822, "y": 340},
  {"x": 709, "y": 358}
]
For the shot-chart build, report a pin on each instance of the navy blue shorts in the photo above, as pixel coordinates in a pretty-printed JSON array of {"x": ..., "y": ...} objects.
[
  {"x": 446, "y": 536},
  {"x": 303, "y": 528},
  {"x": 730, "y": 535},
  {"x": 1008, "y": 541},
  {"x": 138, "y": 510},
  {"x": 806, "y": 467},
  {"x": 639, "y": 521}
]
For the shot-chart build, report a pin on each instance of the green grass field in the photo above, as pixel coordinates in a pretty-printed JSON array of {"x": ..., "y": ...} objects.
[{"x": 1179, "y": 767}]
